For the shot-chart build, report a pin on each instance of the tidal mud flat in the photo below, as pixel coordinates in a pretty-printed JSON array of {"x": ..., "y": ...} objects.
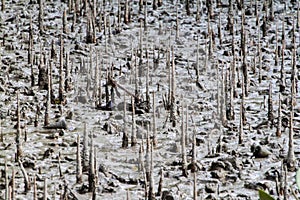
[{"x": 149, "y": 99}]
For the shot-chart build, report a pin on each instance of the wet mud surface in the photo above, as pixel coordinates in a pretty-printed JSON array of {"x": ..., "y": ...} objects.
[{"x": 209, "y": 79}]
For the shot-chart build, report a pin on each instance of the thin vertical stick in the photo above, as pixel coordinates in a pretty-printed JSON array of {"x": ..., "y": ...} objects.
[
  {"x": 197, "y": 57},
  {"x": 136, "y": 71},
  {"x": 223, "y": 100},
  {"x": 46, "y": 118},
  {"x": 96, "y": 78},
  {"x": 194, "y": 156},
  {"x": 32, "y": 75},
  {"x": 148, "y": 149},
  {"x": 6, "y": 180},
  {"x": 96, "y": 174},
  {"x": 186, "y": 123},
  {"x": 27, "y": 184},
  {"x": 30, "y": 44},
  {"x": 143, "y": 168},
  {"x": 145, "y": 17},
  {"x": 283, "y": 33},
  {"x": 65, "y": 22},
  {"x": 282, "y": 71},
  {"x": 45, "y": 193},
  {"x": 219, "y": 111},
  {"x": 147, "y": 79},
  {"x": 285, "y": 187},
  {"x": 13, "y": 184},
  {"x": 126, "y": 13},
  {"x": 160, "y": 184},
  {"x": 271, "y": 11},
  {"x": 243, "y": 104},
  {"x": 298, "y": 15},
  {"x": 2, "y": 5},
  {"x": 105, "y": 31},
  {"x": 100, "y": 78},
  {"x": 133, "y": 134},
  {"x": 61, "y": 76},
  {"x": 67, "y": 70},
  {"x": 183, "y": 146},
  {"x": 141, "y": 45},
  {"x": 276, "y": 48},
  {"x": 59, "y": 165},
  {"x": 91, "y": 176},
  {"x": 41, "y": 16},
  {"x": 220, "y": 30},
  {"x": 173, "y": 91},
  {"x": 270, "y": 106},
  {"x": 187, "y": 7},
  {"x": 199, "y": 7},
  {"x": 290, "y": 160},
  {"x": 245, "y": 67},
  {"x": 125, "y": 135},
  {"x": 18, "y": 134},
  {"x": 177, "y": 21},
  {"x": 1, "y": 132},
  {"x": 106, "y": 87},
  {"x": 78, "y": 159},
  {"x": 168, "y": 66},
  {"x": 279, "y": 121},
  {"x": 50, "y": 82},
  {"x": 85, "y": 147},
  {"x": 151, "y": 181},
  {"x": 259, "y": 58},
  {"x": 154, "y": 120},
  {"x": 141, "y": 157},
  {"x": 34, "y": 188},
  {"x": 241, "y": 132},
  {"x": 195, "y": 186}
]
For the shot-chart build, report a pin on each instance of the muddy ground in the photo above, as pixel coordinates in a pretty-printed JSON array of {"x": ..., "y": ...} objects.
[{"x": 226, "y": 169}]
